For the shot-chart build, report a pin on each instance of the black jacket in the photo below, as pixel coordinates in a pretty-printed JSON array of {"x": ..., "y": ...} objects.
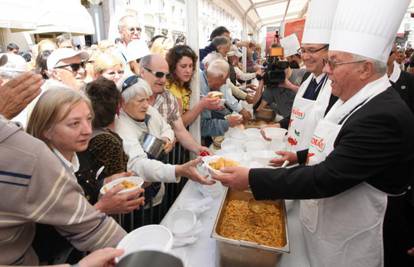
[
  {"x": 405, "y": 87},
  {"x": 375, "y": 145}
]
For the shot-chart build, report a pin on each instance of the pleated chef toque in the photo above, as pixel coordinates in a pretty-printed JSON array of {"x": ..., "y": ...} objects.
[
  {"x": 368, "y": 27},
  {"x": 290, "y": 45},
  {"x": 318, "y": 22}
]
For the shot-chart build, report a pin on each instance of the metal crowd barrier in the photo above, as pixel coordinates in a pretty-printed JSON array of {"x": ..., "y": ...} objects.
[{"x": 154, "y": 215}]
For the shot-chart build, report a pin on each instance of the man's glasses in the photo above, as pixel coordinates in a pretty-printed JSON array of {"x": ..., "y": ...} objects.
[
  {"x": 74, "y": 66},
  {"x": 136, "y": 29},
  {"x": 130, "y": 81},
  {"x": 332, "y": 64},
  {"x": 158, "y": 74},
  {"x": 303, "y": 50}
]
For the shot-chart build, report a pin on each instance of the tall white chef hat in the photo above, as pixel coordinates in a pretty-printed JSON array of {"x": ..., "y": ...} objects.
[
  {"x": 290, "y": 45},
  {"x": 367, "y": 28},
  {"x": 319, "y": 21}
]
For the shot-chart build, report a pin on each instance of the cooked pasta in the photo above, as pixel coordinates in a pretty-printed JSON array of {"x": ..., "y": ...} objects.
[
  {"x": 262, "y": 224},
  {"x": 222, "y": 162}
]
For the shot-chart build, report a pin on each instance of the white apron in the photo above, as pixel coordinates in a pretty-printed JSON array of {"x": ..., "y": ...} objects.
[
  {"x": 344, "y": 230},
  {"x": 306, "y": 114}
]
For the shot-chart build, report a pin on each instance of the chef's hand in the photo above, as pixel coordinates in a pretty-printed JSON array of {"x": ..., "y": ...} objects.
[
  {"x": 263, "y": 133},
  {"x": 411, "y": 251},
  {"x": 17, "y": 93},
  {"x": 168, "y": 145},
  {"x": 234, "y": 177},
  {"x": 189, "y": 170},
  {"x": 101, "y": 258},
  {"x": 285, "y": 156},
  {"x": 113, "y": 203}
]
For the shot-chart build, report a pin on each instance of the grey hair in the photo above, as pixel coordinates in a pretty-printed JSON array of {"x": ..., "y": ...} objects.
[
  {"x": 122, "y": 24},
  {"x": 221, "y": 40},
  {"x": 210, "y": 58},
  {"x": 145, "y": 62},
  {"x": 379, "y": 66},
  {"x": 141, "y": 87},
  {"x": 218, "y": 68}
]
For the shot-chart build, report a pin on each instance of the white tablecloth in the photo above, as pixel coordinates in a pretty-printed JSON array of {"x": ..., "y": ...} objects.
[{"x": 202, "y": 252}]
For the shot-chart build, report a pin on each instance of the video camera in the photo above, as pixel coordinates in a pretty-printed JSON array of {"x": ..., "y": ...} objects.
[{"x": 274, "y": 67}]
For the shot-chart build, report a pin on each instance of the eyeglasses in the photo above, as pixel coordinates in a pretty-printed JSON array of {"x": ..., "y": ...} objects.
[
  {"x": 74, "y": 66},
  {"x": 332, "y": 64},
  {"x": 113, "y": 73},
  {"x": 130, "y": 81},
  {"x": 158, "y": 74},
  {"x": 137, "y": 29},
  {"x": 311, "y": 51}
]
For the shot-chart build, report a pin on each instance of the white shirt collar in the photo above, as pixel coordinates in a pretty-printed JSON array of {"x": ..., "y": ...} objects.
[
  {"x": 319, "y": 78},
  {"x": 71, "y": 165},
  {"x": 396, "y": 72}
]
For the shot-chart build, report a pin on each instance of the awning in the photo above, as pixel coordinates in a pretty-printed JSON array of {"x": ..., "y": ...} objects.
[
  {"x": 63, "y": 16},
  {"x": 18, "y": 14}
]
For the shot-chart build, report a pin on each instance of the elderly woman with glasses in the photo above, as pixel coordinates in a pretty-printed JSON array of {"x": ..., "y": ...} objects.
[
  {"x": 138, "y": 117},
  {"x": 182, "y": 62}
]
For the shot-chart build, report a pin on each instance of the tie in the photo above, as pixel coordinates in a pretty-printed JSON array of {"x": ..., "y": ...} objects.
[{"x": 311, "y": 92}]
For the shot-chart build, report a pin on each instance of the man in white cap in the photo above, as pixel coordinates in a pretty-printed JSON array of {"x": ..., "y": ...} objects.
[
  {"x": 136, "y": 50},
  {"x": 68, "y": 67},
  {"x": 313, "y": 98},
  {"x": 360, "y": 161}
]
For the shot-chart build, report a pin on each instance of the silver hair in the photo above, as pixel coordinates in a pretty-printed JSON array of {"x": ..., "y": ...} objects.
[
  {"x": 122, "y": 24},
  {"x": 140, "y": 87},
  {"x": 145, "y": 61},
  {"x": 210, "y": 58},
  {"x": 221, "y": 40},
  {"x": 218, "y": 68},
  {"x": 379, "y": 66}
]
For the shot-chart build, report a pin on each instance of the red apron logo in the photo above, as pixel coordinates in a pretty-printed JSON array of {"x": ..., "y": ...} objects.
[
  {"x": 318, "y": 143},
  {"x": 298, "y": 114},
  {"x": 292, "y": 141}
]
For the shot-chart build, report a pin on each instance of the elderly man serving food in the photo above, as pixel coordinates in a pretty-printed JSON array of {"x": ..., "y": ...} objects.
[{"x": 360, "y": 160}]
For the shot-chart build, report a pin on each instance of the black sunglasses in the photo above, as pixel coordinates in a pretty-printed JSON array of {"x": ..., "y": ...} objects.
[
  {"x": 74, "y": 66},
  {"x": 158, "y": 74},
  {"x": 130, "y": 81}
]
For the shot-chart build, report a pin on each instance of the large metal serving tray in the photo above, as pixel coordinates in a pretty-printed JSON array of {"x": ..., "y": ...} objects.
[{"x": 240, "y": 253}]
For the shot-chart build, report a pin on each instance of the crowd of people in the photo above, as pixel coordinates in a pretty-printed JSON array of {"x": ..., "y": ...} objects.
[{"x": 72, "y": 119}]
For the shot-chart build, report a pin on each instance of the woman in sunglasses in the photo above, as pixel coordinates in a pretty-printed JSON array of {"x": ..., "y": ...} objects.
[
  {"x": 62, "y": 118},
  {"x": 138, "y": 117},
  {"x": 182, "y": 62},
  {"x": 108, "y": 66}
]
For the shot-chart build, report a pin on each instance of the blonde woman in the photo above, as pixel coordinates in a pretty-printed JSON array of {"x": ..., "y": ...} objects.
[
  {"x": 62, "y": 119},
  {"x": 109, "y": 66}
]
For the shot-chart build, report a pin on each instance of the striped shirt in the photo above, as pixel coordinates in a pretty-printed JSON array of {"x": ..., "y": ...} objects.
[{"x": 35, "y": 188}]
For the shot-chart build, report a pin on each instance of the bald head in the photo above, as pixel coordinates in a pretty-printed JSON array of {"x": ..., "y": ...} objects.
[{"x": 154, "y": 70}]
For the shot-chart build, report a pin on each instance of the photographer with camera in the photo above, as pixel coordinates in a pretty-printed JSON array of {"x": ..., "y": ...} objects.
[
  {"x": 279, "y": 92},
  {"x": 313, "y": 98}
]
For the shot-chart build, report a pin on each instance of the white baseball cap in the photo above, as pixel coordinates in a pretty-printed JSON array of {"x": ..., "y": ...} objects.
[
  {"x": 137, "y": 49},
  {"x": 63, "y": 53},
  {"x": 367, "y": 28},
  {"x": 319, "y": 21}
]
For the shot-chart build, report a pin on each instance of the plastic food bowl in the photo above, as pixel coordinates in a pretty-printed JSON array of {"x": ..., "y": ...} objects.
[
  {"x": 182, "y": 222},
  {"x": 137, "y": 181},
  {"x": 150, "y": 237}
]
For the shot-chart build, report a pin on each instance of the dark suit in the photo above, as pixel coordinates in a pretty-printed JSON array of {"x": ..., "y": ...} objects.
[
  {"x": 405, "y": 87},
  {"x": 375, "y": 145}
]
